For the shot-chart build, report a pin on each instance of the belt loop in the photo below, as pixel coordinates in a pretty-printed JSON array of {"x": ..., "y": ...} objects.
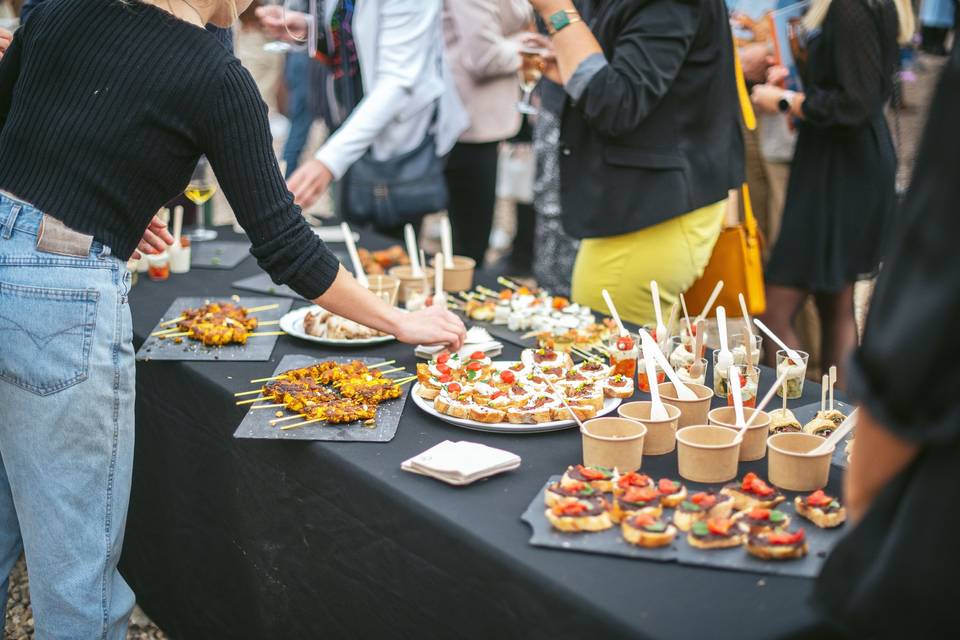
[
  {"x": 104, "y": 251},
  {"x": 7, "y": 229}
]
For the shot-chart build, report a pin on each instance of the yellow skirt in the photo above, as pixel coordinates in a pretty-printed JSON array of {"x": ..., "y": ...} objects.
[{"x": 674, "y": 253}]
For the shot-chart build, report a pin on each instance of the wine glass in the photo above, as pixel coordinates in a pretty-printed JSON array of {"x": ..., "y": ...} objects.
[
  {"x": 282, "y": 46},
  {"x": 532, "y": 65},
  {"x": 200, "y": 189}
]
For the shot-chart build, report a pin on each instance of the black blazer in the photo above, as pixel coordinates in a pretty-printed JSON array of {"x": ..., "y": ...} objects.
[{"x": 656, "y": 134}]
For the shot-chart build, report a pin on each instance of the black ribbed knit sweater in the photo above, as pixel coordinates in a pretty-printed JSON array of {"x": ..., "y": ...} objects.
[{"x": 105, "y": 108}]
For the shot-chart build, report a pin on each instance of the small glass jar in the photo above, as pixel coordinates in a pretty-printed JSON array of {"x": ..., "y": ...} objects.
[
  {"x": 684, "y": 373},
  {"x": 749, "y": 384},
  {"x": 158, "y": 266},
  {"x": 643, "y": 381},
  {"x": 680, "y": 352},
  {"x": 738, "y": 348},
  {"x": 797, "y": 373},
  {"x": 623, "y": 356}
]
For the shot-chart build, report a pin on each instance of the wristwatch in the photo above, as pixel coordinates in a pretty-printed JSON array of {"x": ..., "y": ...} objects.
[
  {"x": 562, "y": 19},
  {"x": 786, "y": 101}
]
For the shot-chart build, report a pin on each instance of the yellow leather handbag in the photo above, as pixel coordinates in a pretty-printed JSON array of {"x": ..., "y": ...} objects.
[{"x": 737, "y": 258}]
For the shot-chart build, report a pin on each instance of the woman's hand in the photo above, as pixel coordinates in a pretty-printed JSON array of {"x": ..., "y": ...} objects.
[
  {"x": 766, "y": 98},
  {"x": 777, "y": 74},
  {"x": 155, "y": 239},
  {"x": 5, "y": 39},
  {"x": 272, "y": 20},
  {"x": 433, "y": 325},
  {"x": 309, "y": 182}
]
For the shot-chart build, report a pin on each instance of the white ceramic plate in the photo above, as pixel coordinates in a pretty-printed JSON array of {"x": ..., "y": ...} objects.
[
  {"x": 292, "y": 323},
  {"x": 609, "y": 405}
]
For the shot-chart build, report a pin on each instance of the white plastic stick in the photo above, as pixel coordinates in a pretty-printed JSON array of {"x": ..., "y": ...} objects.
[
  {"x": 354, "y": 256},
  {"x": 833, "y": 381},
  {"x": 733, "y": 380},
  {"x": 724, "y": 358},
  {"x": 686, "y": 315},
  {"x": 411, "y": 240},
  {"x": 749, "y": 326},
  {"x": 710, "y": 301},
  {"x": 423, "y": 273},
  {"x": 177, "y": 225},
  {"x": 446, "y": 241},
  {"x": 793, "y": 355},
  {"x": 767, "y": 398},
  {"x": 658, "y": 312},
  {"x": 657, "y": 410},
  {"x": 824, "y": 384},
  {"x": 613, "y": 311},
  {"x": 438, "y": 296},
  {"x": 683, "y": 392}
]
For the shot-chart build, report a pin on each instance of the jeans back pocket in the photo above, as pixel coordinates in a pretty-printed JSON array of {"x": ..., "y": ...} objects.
[{"x": 45, "y": 336}]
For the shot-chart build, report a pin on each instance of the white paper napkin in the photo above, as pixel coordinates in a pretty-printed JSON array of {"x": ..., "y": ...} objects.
[{"x": 462, "y": 462}]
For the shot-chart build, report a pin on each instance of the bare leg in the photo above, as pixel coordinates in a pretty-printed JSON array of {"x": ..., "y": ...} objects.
[
  {"x": 783, "y": 303},
  {"x": 838, "y": 328}
]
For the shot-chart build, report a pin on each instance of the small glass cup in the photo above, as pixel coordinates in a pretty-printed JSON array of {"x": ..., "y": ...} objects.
[
  {"x": 749, "y": 384},
  {"x": 738, "y": 343},
  {"x": 624, "y": 361},
  {"x": 158, "y": 266},
  {"x": 684, "y": 373},
  {"x": 643, "y": 382},
  {"x": 798, "y": 373},
  {"x": 680, "y": 352}
]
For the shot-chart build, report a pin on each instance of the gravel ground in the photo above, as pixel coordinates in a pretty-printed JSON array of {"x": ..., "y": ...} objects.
[{"x": 19, "y": 617}]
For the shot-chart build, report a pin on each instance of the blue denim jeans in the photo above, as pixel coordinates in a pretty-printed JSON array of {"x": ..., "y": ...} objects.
[
  {"x": 297, "y": 76},
  {"x": 66, "y": 428}
]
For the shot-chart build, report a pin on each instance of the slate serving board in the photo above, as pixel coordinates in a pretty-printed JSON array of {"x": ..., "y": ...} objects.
[
  {"x": 218, "y": 254},
  {"x": 611, "y": 542},
  {"x": 256, "y": 349},
  {"x": 256, "y": 424}
]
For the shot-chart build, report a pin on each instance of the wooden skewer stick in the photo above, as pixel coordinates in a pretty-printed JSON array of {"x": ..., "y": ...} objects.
[
  {"x": 403, "y": 381},
  {"x": 251, "y": 401},
  {"x": 267, "y": 322},
  {"x": 280, "y": 377},
  {"x": 300, "y": 424},
  {"x": 164, "y": 332},
  {"x": 265, "y": 307},
  {"x": 268, "y": 406},
  {"x": 175, "y": 335},
  {"x": 246, "y": 393},
  {"x": 381, "y": 364},
  {"x": 394, "y": 370},
  {"x": 267, "y": 333},
  {"x": 174, "y": 321},
  {"x": 288, "y": 418}
]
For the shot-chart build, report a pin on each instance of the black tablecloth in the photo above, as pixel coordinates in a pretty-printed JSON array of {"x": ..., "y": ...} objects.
[{"x": 259, "y": 539}]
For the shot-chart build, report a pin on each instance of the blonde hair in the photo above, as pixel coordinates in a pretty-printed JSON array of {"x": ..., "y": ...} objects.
[{"x": 819, "y": 8}]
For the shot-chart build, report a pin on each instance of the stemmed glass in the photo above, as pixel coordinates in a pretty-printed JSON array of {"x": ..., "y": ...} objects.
[
  {"x": 200, "y": 189},
  {"x": 532, "y": 65},
  {"x": 283, "y": 46}
]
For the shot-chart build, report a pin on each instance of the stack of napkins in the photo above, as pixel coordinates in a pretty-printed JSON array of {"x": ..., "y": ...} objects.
[
  {"x": 461, "y": 462},
  {"x": 478, "y": 339}
]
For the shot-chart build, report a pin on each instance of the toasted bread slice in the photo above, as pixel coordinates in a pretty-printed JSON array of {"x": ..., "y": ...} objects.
[
  {"x": 618, "y": 387},
  {"x": 684, "y": 519},
  {"x": 671, "y": 500},
  {"x": 427, "y": 393},
  {"x": 487, "y": 415},
  {"x": 726, "y": 542},
  {"x": 579, "y": 523},
  {"x": 649, "y": 539},
  {"x": 777, "y": 551},
  {"x": 819, "y": 517},
  {"x": 583, "y": 412},
  {"x": 743, "y": 501}
]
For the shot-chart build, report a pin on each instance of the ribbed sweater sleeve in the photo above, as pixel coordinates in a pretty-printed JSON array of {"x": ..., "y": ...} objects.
[
  {"x": 9, "y": 71},
  {"x": 236, "y": 139}
]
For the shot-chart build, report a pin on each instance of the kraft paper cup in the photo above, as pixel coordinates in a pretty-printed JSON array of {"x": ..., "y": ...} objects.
[
  {"x": 616, "y": 443},
  {"x": 707, "y": 453},
  {"x": 661, "y": 435},
  {"x": 791, "y": 467},
  {"x": 691, "y": 411},
  {"x": 754, "y": 445},
  {"x": 408, "y": 282},
  {"x": 460, "y": 277}
]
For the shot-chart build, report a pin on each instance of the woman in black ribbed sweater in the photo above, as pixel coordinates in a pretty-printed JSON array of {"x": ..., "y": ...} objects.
[{"x": 105, "y": 108}]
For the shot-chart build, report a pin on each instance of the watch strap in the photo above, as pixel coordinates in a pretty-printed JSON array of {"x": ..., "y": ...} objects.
[{"x": 562, "y": 19}]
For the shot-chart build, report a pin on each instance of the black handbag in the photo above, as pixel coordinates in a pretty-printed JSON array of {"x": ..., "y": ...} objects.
[{"x": 391, "y": 193}]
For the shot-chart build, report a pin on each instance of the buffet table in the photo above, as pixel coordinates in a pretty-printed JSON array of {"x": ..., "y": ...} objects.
[{"x": 266, "y": 539}]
